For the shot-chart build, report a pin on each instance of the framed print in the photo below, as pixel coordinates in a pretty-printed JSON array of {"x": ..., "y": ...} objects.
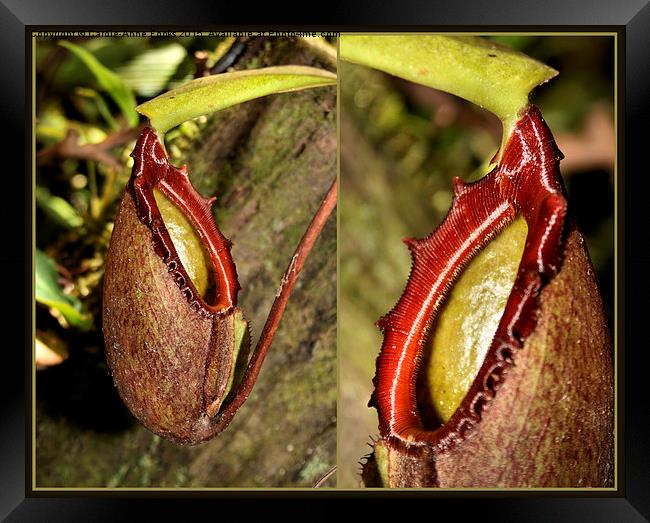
[{"x": 340, "y": 157}]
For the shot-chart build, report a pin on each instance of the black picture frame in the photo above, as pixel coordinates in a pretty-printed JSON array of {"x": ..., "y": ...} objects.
[{"x": 630, "y": 503}]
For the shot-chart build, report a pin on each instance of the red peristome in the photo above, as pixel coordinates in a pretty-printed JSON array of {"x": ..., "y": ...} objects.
[
  {"x": 152, "y": 169},
  {"x": 526, "y": 181}
]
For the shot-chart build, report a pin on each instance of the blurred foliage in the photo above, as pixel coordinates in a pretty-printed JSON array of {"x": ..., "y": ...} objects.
[
  {"x": 49, "y": 293},
  {"x": 109, "y": 82},
  {"x": 402, "y": 143}
]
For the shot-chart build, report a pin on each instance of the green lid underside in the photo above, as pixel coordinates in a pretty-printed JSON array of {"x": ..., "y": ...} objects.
[
  {"x": 483, "y": 72},
  {"x": 213, "y": 93}
]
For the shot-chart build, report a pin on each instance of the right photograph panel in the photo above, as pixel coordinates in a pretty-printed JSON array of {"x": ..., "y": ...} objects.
[{"x": 477, "y": 248}]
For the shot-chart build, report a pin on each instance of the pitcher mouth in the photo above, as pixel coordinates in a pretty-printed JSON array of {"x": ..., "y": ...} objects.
[
  {"x": 152, "y": 170},
  {"x": 526, "y": 181}
]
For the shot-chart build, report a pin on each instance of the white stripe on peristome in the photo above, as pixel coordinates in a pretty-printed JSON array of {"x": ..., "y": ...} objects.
[{"x": 415, "y": 328}]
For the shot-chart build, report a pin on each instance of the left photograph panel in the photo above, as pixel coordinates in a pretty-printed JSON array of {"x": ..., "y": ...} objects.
[{"x": 184, "y": 193}]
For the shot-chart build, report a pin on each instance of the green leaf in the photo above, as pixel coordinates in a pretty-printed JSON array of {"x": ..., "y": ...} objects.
[
  {"x": 50, "y": 294},
  {"x": 148, "y": 73},
  {"x": 99, "y": 104},
  {"x": 109, "y": 81},
  {"x": 58, "y": 209},
  {"x": 483, "y": 72},
  {"x": 216, "y": 92}
]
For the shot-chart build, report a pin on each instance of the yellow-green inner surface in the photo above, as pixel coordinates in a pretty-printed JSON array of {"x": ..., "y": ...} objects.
[
  {"x": 470, "y": 317},
  {"x": 187, "y": 242}
]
